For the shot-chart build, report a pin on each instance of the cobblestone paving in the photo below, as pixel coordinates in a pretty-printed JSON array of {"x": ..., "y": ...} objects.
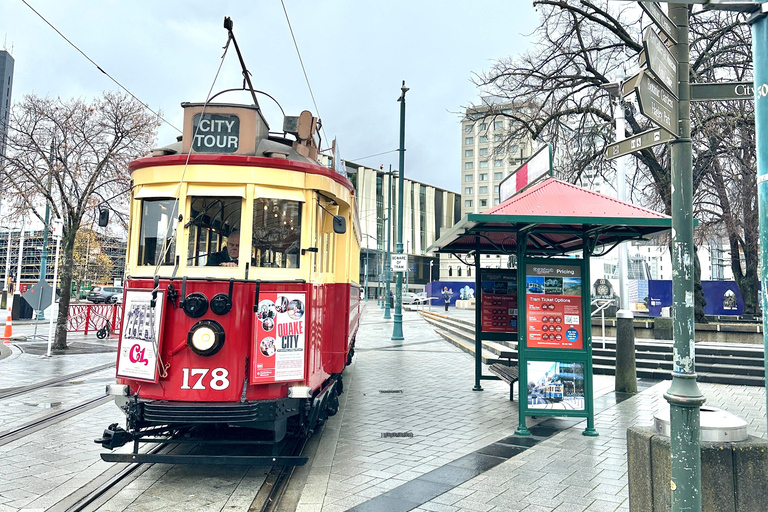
[{"x": 568, "y": 472}]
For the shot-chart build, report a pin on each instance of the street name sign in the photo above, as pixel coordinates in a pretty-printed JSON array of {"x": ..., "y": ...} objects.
[
  {"x": 653, "y": 9},
  {"x": 661, "y": 63},
  {"x": 723, "y": 91},
  {"x": 656, "y": 103},
  {"x": 640, "y": 141},
  {"x": 399, "y": 262}
]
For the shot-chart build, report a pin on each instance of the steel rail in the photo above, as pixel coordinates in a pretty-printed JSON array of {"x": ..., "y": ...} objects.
[
  {"x": 9, "y": 392},
  {"x": 33, "y": 426}
]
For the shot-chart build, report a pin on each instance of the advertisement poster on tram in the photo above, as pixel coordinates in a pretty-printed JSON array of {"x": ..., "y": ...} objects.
[
  {"x": 499, "y": 300},
  {"x": 136, "y": 358},
  {"x": 553, "y": 306},
  {"x": 555, "y": 385},
  {"x": 278, "y": 338}
]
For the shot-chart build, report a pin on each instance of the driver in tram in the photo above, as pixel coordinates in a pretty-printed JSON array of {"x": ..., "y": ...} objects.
[{"x": 227, "y": 257}]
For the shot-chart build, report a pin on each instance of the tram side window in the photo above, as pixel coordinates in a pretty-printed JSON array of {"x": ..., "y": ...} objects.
[
  {"x": 157, "y": 245},
  {"x": 214, "y": 224},
  {"x": 276, "y": 233}
]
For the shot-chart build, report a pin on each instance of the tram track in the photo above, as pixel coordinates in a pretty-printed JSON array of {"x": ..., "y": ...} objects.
[
  {"x": 272, "y": 490},
  {"x": 101, "y": 489},
  {"x": 11, "y": 392},
  {"x": 50, "y": 419}
]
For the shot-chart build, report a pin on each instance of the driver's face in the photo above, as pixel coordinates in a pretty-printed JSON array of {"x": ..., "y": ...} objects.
[{"x": 233, "y": 246}]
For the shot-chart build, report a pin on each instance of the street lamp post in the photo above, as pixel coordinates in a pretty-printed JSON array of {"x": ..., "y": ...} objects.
[
  {"x": 387, "y": 261},
  {"x": 397, "y": 331}
]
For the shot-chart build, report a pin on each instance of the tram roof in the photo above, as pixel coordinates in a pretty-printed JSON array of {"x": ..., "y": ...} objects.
[
  {"x": 557, "y": 216},
  {"x": 240, "y": 160}
]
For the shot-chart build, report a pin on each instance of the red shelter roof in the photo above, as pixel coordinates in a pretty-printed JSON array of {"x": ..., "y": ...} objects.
[{"x": 556, "y": 218}]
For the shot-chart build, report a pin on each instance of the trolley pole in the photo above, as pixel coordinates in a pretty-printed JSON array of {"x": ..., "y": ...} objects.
[
  {"x": 397, "y": 331},
  {"x": 683, "y": 395}
]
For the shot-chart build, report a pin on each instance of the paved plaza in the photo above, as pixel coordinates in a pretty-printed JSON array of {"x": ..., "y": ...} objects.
[
  {"x": 410, "y": 434},
  {"x": 462, "y": 455}
]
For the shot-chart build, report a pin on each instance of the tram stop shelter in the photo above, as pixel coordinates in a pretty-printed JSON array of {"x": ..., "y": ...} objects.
[{"x": 552, "y": 229}]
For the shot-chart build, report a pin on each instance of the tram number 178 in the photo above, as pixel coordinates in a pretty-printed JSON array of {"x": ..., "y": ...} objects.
[{"x": 218, "y": 379}]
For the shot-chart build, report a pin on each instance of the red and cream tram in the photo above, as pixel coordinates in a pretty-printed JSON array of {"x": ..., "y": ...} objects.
[{"x": 241, "y": 306}]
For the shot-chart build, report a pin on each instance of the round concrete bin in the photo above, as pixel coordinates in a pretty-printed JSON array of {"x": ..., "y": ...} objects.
[{"x": 717, "y": 425}]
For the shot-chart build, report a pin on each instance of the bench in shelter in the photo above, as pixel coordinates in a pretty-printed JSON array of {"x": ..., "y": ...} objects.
[{"x": 508, "y": 372}]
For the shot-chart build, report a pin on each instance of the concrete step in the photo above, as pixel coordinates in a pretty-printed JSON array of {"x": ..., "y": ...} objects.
[{"x": 721, "y": 363}]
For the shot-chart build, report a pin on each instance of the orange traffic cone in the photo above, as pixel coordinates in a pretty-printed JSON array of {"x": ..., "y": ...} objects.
[{"x": 8, "y": 325}]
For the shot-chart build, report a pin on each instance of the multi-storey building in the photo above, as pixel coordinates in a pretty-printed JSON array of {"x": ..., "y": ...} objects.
[
  {"x": 486, "y": 161},
  {"x": 32, "y": 255},
  {"x": 426, "y": 211},
  {"x": 6, "y": 86}
]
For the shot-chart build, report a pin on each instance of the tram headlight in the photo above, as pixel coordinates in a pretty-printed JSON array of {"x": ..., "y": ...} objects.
[
  {"x": 206, "y": 337},
  {"x": 299, "y": 392}
]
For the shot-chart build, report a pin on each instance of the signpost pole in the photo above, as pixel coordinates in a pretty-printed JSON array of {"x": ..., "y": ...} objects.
[
  {"x": 684, "y": 396},
  {"x": 397, "y": 330}
]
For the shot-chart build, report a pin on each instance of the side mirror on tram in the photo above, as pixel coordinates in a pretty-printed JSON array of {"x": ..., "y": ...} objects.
[
  {"x": 103, "y": 218},
  {"x": 339, "y": 225}
]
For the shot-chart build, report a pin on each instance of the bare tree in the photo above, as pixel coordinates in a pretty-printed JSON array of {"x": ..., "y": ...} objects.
[
  {"x": 558, "y": 95},
  {"x": 85, "y": 148}
]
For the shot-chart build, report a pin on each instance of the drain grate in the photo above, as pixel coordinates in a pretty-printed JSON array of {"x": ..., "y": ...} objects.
[
  {"x": 390, "y": 391},
  {"x": 397, "y": 434}
]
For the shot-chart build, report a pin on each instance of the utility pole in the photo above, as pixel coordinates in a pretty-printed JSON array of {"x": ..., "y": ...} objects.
[
  {"x": 397, "y": 331},
  {"x": 759, "y": 23}
]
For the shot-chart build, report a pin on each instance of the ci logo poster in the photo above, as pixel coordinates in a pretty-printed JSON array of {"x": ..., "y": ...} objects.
[
  {"x": 136, "y": 357},
  {"x": 278, "y": 338},
  {"x": 553, "y": 306}
]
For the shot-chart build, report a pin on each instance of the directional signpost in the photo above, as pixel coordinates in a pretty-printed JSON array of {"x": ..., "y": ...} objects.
[
  {"x": 723, "y": 91},
  {"x": 636, "y": 143},
  {"x": 661, "y": 19},
  {"x": 656, "y": 103},
  {"x": 661, "y": 63}
]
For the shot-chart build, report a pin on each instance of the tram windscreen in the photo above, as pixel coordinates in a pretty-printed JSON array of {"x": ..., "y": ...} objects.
[
  {"x": 276, "y": 233},
  {"x": 157, "y": 245},
  {"x": 214, "y": 224}
]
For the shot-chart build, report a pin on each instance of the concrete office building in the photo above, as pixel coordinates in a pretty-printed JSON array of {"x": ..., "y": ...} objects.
[
  {"x": 427, "y": 210},
  {"x": 485, "y": 161}
]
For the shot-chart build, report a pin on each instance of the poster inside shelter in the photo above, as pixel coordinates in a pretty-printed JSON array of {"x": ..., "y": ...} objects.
[
  {"x": 499, "y": 301},
  {"x": 136, "y": 358},
  {"x": 555, "y": 385},
  {"x": 278, "y": 338},
  {"x": 553, "y": 306}
]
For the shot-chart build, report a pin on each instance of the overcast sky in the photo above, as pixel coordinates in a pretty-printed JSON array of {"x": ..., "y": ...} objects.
[{"x": 356, "y": 54}]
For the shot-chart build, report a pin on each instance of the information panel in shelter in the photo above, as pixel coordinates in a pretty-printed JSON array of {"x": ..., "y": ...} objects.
[
  {"x": 553, "y": 306},
  {"x": 499, "y": 300}
]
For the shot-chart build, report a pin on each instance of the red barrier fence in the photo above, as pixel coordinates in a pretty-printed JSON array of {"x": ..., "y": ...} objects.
[{"x": 92, "y": 317}]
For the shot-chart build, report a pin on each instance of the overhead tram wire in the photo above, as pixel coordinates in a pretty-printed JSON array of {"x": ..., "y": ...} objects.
[
  {"x": 145, "y": 105},
  {"x": 301, "y": 61},
  {"x": 174, "y": 211}
]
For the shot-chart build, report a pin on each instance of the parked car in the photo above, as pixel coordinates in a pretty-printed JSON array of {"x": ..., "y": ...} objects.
[
  {"x": 414, "y": 298},
  {"x": 105, "y": 294}
]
